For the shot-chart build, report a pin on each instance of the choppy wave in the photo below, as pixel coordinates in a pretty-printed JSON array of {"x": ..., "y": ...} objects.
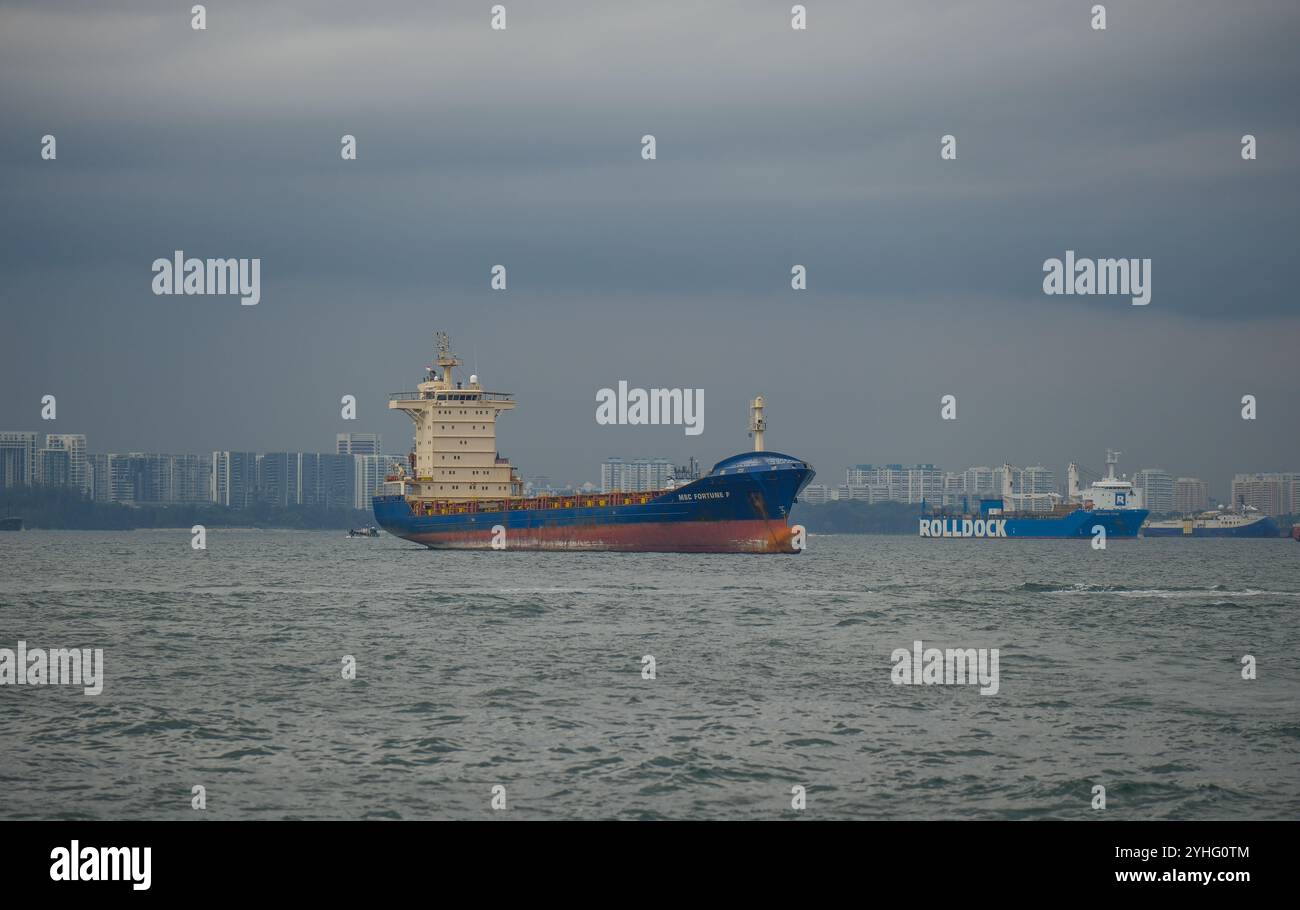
[{"x": 1218, "y": 590}]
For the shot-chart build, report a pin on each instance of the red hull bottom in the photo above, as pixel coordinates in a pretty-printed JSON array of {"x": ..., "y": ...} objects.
[{"x": 750, "y": 536}]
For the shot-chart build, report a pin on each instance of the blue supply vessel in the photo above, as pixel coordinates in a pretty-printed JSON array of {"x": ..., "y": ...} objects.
[{"x": 1111, "y": 505}]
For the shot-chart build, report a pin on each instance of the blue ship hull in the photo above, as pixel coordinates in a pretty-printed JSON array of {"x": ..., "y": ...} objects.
[
  {"x": 742, "y": 505},
  {"x": 1119, "y": 523}
]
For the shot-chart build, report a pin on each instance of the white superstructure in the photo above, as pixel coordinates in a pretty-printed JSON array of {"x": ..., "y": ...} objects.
[
  {"x": 1110, "y": 492},
  {"x": 455, "y": 443}
]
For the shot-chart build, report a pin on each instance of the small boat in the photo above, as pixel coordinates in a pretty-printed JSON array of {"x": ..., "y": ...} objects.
[{"x": 371, "y": 531}]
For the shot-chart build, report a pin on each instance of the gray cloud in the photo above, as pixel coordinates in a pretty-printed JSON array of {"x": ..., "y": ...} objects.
[{"x": 774, "y": 148}]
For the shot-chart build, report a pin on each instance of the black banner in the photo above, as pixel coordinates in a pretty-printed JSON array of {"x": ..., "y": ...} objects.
[{"x": 305, "y": 859}]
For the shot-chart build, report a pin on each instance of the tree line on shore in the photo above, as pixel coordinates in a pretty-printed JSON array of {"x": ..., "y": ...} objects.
[
  {"x": 851, "y": 516},
  {"x": 62, "y": 508}
]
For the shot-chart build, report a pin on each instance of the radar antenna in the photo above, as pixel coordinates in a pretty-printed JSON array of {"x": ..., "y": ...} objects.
[{"x": 446, "y": 359}]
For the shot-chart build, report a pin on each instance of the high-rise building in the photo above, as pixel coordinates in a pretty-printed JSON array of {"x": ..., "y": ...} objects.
[
  {"x": 1037, "y": 479},
  {"x": 107, "y": 477},
  {"x": 144, "y": 477},
  {"x": 75, "y": 445},
  {"x": 99, "y": 476},
  {"x": 277, "y": 479},
  {"x": 1271, "y": 493},
  {"x": 121, "y": 483},
  {"x": 1157, "y": 488},
  {"x": 335, "y": 481},
  {"x": 280, "y": 479},
  {"x": 1191, "y": 495},
  {"x": 883, "y": 483},
  {"x": 613, "y": 475},
  {"x": 234, "y": 479},
  {"x": 924, "y": 484},
  {"x": 858, "y": 491},
  {"x": 860, "y": 475},
  {"x": 636, "y": 476},
  {"x": 17, "y": 459},
  {"x": 53, "y": 467},
  {"x": 358, "y": 444},
  {"x": 982, "y": 483},
  {"x": 954, "y": 488},
  {"x": 191, "y": 478},
  {"x": 149, "y": 477},
  {"x": 308, "y": 490},
  {"x": 655, "y": 473},
  {"x": 370, "y": 471},
  {"x": 815, "y": 492}
]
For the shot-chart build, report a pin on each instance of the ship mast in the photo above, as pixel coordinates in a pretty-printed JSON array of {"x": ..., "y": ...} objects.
[
  {"x": 446, "y": 359},
  {"x": 757, "y": 423},
  {"x": 1112, "y": 459}
]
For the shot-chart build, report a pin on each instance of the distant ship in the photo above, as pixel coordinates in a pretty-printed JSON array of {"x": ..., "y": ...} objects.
[
  {"x": 1110, "y": 503},
  {"x": 1246, "y": 522},
  {"x": 458, "y": 492}
]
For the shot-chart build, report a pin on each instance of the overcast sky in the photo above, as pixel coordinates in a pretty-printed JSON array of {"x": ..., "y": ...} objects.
[{"x": 775, "y": 147}]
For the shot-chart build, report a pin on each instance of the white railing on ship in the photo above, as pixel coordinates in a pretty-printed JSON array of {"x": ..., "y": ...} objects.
[{"x": 428, "y": 396}]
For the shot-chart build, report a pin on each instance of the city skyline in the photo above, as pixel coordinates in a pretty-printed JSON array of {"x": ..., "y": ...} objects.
[{"x": 643, "y": 473}]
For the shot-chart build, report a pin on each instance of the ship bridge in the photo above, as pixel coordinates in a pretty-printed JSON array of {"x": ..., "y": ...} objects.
[{"x": 454, "y": 450}]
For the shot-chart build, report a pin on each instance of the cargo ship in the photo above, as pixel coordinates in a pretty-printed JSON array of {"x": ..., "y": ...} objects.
[
  {"x": 1247, "y": 521},
  {"x": 1110, "y": 503},
  {"x": 457, "y": 492}
]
